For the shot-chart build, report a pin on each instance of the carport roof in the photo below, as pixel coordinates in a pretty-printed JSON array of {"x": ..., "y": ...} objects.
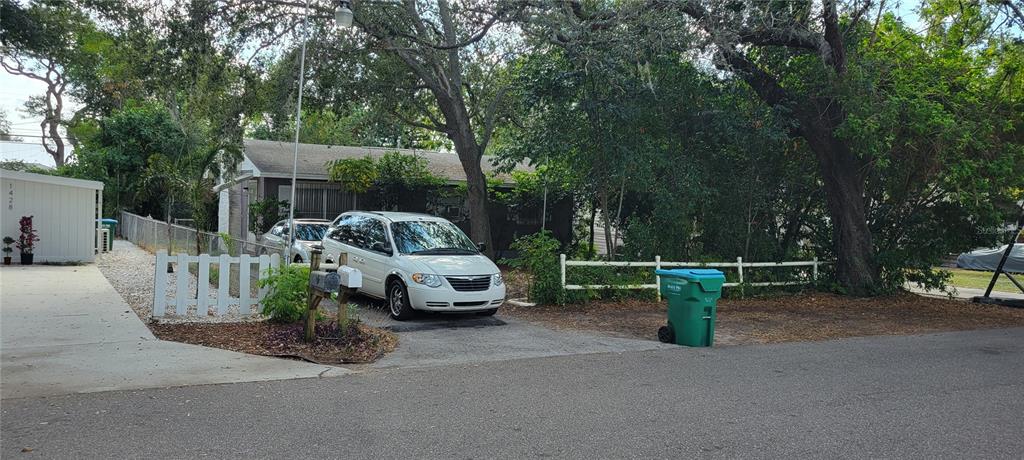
[
  {"x": 46, "y": 179},
  {"x": 274, "y": 159}
]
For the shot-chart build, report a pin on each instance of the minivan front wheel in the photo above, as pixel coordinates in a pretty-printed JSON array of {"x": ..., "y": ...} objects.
[{"x": 398, "y": 301}]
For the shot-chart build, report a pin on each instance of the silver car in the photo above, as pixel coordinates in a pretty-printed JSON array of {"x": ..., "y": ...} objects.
[{"x": 310, "y": 232}]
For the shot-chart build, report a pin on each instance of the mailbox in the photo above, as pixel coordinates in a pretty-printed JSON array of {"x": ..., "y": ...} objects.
[
  {"x": 350, "y": 277},
  {"x": 324, "y": 281}
]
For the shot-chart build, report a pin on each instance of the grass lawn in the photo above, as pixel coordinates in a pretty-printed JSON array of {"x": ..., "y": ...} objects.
[{"x": 979, "y": 280}]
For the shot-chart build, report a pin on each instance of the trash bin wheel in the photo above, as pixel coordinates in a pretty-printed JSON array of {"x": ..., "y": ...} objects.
[{"x": 666, "y": 334}]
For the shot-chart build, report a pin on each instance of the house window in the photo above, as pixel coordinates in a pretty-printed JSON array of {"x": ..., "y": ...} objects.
[{"x": 317, "y": 200}]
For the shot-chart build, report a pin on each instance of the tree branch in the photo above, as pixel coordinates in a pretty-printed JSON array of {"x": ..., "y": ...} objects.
[
  {"x": 429, "y": 126},
  {"x": 1015, "y": 11},
  {"x": 490, "y": 117},
  {"x": 832, "y": 50}
]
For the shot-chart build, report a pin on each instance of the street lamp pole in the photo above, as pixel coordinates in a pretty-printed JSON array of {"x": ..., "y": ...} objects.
[
  {"x": 343, "y": 18},
  {"x": 298, "y": 127}
]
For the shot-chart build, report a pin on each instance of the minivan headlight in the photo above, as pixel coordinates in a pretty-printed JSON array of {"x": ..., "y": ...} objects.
[
  {"x": 497, "y": 280},
  {"x": 427, "y": 279}
]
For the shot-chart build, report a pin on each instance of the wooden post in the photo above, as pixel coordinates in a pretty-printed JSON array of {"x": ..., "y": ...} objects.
[
  {"x": 657, "y": 278},
  {"x": 313, "y": 300},
  {"x": 181, "y": 295},
  {"x": 739, "y": 265},
  {"x": 561, "y": 263},
  {"x": 203, "y": 279},
  {"x": 244, "y": 300},
  {"x": 342, "y": 308},
  {"x": 160, "y": 283},
  {"x": 343, "y": 294}
]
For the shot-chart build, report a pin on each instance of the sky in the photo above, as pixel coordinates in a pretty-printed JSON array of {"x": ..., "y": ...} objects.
[{"x": 14, "y": 91}]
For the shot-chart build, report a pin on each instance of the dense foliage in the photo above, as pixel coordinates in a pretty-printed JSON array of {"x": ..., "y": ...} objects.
[
  {"x": 690, "y": 130},
  {"x": 538, "y": 256},
  {"x": 393, "y": 174},
  {"x": 263, "y": 214}
]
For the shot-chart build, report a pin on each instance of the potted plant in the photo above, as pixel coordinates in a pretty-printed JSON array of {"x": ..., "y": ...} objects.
[
  {"x": 27, "y": 239},
  {"x": 8, "y": 241}
]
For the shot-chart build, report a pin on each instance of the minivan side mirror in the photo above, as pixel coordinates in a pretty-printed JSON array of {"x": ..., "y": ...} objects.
[
  {"x": 481, "y": 247},
  {"x": 380, "y": 247}
]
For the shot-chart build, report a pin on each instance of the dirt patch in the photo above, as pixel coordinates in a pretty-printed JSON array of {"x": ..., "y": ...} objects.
[
  {"x": 788, "y": 318},
  {"x": 360, "y": 343}
]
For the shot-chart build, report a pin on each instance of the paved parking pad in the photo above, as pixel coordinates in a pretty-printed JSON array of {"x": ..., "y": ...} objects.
[{"x": 441, "y": 339}]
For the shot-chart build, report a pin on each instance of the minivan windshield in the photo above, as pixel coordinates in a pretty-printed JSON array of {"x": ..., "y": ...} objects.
[
  {"x": 431, "y": 237},
  {"x": 310, "y": 232}
]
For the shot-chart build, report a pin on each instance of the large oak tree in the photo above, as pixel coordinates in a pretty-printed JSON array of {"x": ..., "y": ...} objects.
[{"x": 437, "y": 64}]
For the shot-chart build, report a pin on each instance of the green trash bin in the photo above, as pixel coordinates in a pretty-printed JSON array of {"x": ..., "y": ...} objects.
[{"x": 692, "y": 295}]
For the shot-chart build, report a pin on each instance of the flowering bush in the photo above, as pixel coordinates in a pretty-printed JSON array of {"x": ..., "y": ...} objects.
[{"x": 27, "y": 239}]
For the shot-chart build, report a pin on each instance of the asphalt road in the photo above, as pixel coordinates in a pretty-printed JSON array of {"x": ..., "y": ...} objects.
[{"x": 950, "y": 395}]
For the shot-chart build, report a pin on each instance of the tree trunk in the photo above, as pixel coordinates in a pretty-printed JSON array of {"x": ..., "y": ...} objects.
[
  {"x": 593, "y": 222},
  {"x": 476, "y": 188},
  {"x": 54, "y": 107},
  {"x": 843, "y": 176},
  {"x": 170, "y": 235},
  {"x": 794, "y": 222},
  {"x": 609, "y": 245},
  {"x": 618, "y": 213}
]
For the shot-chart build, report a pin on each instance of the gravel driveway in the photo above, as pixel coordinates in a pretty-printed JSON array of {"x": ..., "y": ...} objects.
[{"x": 129, "y": 269}]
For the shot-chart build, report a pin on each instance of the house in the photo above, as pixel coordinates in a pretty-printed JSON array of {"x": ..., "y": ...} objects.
[{"x": 266, "y": 170}]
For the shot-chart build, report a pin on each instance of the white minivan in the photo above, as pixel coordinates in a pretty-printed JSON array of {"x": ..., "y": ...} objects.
[{"x": 416, "y": 262}]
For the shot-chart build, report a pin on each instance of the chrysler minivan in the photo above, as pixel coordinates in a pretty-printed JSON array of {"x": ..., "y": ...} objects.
[{"x": 416, "y": 262}]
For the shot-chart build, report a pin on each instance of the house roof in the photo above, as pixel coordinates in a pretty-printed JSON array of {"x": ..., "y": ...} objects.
[{"x": 274, "y": 159}]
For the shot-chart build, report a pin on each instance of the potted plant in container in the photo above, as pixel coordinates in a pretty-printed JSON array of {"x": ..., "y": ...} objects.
[
  {"x": 27, "y": 239},
  {"x": 8, "y": 241}
]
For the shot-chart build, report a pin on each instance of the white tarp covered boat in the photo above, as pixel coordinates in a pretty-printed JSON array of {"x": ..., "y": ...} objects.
[{"x": 988, "y": 259}]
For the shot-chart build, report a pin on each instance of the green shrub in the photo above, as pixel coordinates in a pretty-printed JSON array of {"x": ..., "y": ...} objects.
[
  {"x": 288, "y": 288},
  {"x": 538, "y": 255}
]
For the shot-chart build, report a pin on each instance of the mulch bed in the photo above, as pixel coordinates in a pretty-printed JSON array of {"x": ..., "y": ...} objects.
[
  {"x": 783, "y": 318},
  {"x": 360, "y": 343}
]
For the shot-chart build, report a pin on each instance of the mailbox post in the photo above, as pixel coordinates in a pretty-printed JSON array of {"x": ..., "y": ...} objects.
[
  {"x": 349, "y": 280},
  {"x": 315, "y": 294},
  {"x": 322, "y": 283}
]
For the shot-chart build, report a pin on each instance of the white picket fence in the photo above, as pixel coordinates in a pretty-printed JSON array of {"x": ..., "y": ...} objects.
[
  {"x": 657, "y": 264},
  {"x": 183, "y": 297}
]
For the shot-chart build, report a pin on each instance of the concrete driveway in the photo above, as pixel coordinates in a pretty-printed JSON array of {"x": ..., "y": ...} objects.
[
  {"x": 65, "y": 330},
  {"x": 433, "y": 339}
]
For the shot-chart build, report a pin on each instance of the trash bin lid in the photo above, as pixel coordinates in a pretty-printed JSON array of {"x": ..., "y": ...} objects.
[
  {"x": 693, "y": 274},
  {"x": 108, "y": 221}
]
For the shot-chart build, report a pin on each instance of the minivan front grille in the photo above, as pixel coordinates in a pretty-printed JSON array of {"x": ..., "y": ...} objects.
[{"x": 469, "y": 283}]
